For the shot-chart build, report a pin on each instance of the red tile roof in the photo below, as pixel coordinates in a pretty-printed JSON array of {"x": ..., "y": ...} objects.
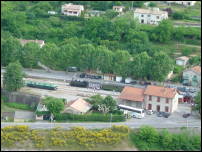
[
  {"x": 132, "y": 94},
  {"x": 160, "y": 91},
  {"x": 197, "y": 69}
]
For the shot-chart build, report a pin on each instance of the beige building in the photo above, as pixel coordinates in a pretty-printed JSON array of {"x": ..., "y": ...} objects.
[
  {"x": 154, "y": 98},
  {"x": 41, "y": 43},
  {"x": 78, "y": 106},
  {"x": 161, "y": 99},
  {"x": 133, "y": 97},
  {"x": 72, "y": 10},
  {"x": 182, "y": 61},
  {"x": 150, "y": 16},
  {"x": 192, "y": 76}
]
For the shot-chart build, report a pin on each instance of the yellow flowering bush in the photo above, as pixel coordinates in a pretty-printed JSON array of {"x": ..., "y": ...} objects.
[{"x": 57, "y": 137}]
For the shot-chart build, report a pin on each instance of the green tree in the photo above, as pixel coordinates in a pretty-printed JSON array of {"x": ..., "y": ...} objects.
[
  {"x": 95, "y": 101},
  {"x": 54, "y": 105},
  {"x": 195, "y": 60},
  {"x": 110, "y": 102},
  {"x": 140, "y": 65},
  {"x": 163, "y": 32},
  {"x": 110, "y": 14},
  {"x": 10, "y": 48},
  {"x": 159, "y": 67},
  {"x": 29, "y": 55},
  {"x": 13, "y": 77},
  {"x": 152, "y": 4},
  {"x": 121, "y": 58}
]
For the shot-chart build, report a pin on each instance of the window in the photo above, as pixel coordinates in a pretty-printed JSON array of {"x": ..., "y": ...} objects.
[
  {"x": 157, "y": 17},
  {"x": 158, "y": 99},
  {"x": 148, "y": 15},
  {"x": 166, "y": 109},
  {"x": 142, "y": 21},
  {"x": 142, "y": 15},
  {"x": 167, "y": 100},
  {"x": 150, "y": 98},
  {"x": 149, "y": 106}
]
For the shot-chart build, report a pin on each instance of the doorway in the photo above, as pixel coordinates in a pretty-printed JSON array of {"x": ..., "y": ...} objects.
[{"x": 158, "y": 108}]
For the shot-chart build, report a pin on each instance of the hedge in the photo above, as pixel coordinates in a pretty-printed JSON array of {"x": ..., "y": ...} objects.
[
  {"x": 112, "y": 87},
  {"x": 40, "y": 113},
  {"x": 90, "y": 117},
  {"x": 18, "y": 105}
]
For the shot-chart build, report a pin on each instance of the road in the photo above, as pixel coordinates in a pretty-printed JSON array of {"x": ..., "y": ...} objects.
[{"x": 98, "y": 125}]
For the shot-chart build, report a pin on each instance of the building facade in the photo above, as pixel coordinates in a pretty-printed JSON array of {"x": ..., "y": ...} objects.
[
  {"x": 154, "y": 98},
  {"x": 185, "y": 3},
  {"x": 182, "y": 61},
  {"x": 150, "y": 16},
  {"x": 192, "y": 76},
  {"x": 119, "y": 9},
  {"x": 72, "y": 10}
]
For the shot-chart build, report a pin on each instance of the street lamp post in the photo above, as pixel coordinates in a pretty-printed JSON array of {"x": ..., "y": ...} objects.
[{"x": 111, "y": 120}]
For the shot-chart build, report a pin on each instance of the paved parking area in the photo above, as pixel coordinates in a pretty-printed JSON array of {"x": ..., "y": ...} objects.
[{"x": 174, "y": 118}]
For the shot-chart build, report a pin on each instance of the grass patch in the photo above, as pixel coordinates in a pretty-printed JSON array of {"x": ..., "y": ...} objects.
[{"x": 18, "y": 106}]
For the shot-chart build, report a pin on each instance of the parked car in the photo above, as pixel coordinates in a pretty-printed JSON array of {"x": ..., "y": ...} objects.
[
  {"x": 186, "y": 115},
  {"x": 159, "y": 114},
  {"x": 133, "y": 82},
  {"x": 149, "y": 112},
  {"x": 72, "y": 69},
  {"x": 82, "y": 75},
  {"x": 166, "y": 114}
]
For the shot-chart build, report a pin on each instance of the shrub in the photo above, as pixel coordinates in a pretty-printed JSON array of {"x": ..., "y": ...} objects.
[
  {"x": 165, "y": 138},
  {"x": 186, "y": 51},
  {"x": 120, "y": 128},
  {"x": 18, "y": 105},
  {"x": 149, "y": 134},
  {"x": 90, "y": 117},
  {"x": 178, "y": 16},
  {"x": 178, "y": 69}
]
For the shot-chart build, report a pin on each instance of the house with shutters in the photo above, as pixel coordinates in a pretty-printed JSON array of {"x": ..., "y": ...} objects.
[
  {"x": 72, "y": 10},
  {"x": 192, "y": 76},
  {"x": 119, "y": 9},
  {"x": 154, "y": 98},
  {"x": 158, "y": 98},
  {"x": 150, "y": 16}
]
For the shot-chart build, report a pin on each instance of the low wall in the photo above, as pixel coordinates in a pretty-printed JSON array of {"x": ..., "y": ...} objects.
[{"x": 20, "y": 97}]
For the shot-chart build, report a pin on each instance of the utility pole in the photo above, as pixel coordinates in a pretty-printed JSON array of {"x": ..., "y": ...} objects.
[{"x": 111, "y": 120}]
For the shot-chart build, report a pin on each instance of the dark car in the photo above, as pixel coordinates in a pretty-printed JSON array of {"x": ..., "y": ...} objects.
[
  {"x": 186, "y": 115},
  {"x": 166, "y": 114},
  {"x": 82, "y": 75},
  {"x": 159, "y": 114},
  {"x": 73, "y": 69}
]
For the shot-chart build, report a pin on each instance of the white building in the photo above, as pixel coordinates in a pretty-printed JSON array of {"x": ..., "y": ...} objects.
[
  {"x": 52, "y": 12},
  {"x": 192, "y": 76},
  {"x": 185, "y": 3},
  {"x": 119, "y": 9},
  {"x": 150, "y": 16},
  {"x": 72, "y": 10},
  {"x": 182, "y": 61},
  {"x": 41, "y": 43}
]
